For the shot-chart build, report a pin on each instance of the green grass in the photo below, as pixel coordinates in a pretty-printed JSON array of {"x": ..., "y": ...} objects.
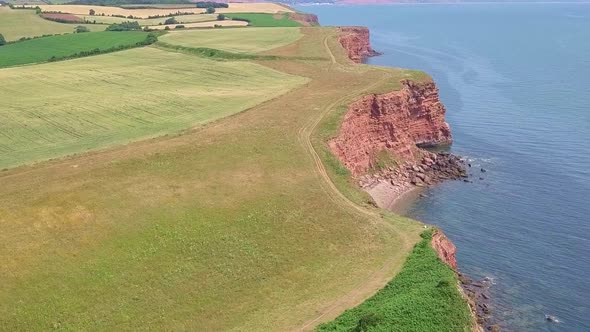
[
  {"x": 266, "y": 20},
  {"x": 42, "y": 49},
  {"x": 18, "y": 23},
  {"x": 238, "y": 40},
  {"x": 422, "y": 297},
  {"x": 72, "y": 106}
]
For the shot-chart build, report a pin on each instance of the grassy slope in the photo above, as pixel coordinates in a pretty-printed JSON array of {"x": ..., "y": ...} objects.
[
  {"x": 217, "y": 229},
  {"x": 61, "y": 108},
  {"x": 42, "y": 49},
  {"x": 250, "y": 40},
  {"x": 15, "y": 24},
  {"x": 422, "y": 297},
  {"x": 266, "y": 20}
]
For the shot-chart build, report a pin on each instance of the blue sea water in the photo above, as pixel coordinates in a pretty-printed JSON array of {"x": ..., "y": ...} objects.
[{"x": 515, "y": 79}]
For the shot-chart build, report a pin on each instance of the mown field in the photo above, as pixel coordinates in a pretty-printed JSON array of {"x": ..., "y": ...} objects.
[
  {"x": 95, "y": 102},
  {"x": 266, "y": 20},
  {"x": 18, "y": 23},
  {"x": 43, "y": 49},
  {"x": 248, "y": 40}
]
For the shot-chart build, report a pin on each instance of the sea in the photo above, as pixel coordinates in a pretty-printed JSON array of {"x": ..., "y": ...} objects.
[{"x": 515, "y": 79}]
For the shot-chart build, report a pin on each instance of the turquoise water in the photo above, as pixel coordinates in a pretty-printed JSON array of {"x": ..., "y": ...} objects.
[{"x": 516, "y": 82}]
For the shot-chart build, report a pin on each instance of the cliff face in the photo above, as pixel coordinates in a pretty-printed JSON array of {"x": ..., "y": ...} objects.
[
  {"x": 398, "y": 122},
  {"x": 445, "y": 249},
  {"x": 304, "y": 19},
  {"x": 356, "y": 42}
]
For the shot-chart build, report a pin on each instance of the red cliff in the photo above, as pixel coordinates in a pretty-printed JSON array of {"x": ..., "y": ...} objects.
[
  {"x": 356, "y": 42},
  {"x": 445, "y": 249},
  {"x": 397, "y": 122},
  {"x": 304, "y": 18}
]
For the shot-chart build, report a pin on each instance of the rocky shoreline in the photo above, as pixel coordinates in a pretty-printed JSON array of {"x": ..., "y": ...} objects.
[{"x": 390, "y": 183}]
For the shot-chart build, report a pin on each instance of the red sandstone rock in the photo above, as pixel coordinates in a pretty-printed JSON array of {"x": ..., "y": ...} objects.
[
  {"x": 356, "y": 42},
  {"x": 397, "y": 122},
  {"x": 445, "y": 249},
  {"x": 304, "y": 19}
]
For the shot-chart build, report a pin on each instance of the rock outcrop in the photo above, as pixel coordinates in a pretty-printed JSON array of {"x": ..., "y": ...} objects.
[
  {"x": 445, "y": 249},
  {"x": 304, "y": 19},
  {"x": 356, "y": 41},
  {"x": 398, "y": 123}
]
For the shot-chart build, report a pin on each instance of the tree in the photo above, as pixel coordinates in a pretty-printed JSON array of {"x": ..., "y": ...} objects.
[
  {"x": 171, "y": 20},
  {"x": 81, "y": 29},
  {"x": 2, "y": 40},
  {"x": 220, "y": 17},
  {"x": 210, "y": 10},
  {"x": 92, "y": 12}
]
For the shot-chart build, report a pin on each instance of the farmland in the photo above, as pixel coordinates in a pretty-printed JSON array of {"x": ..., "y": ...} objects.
[
  {"x": 250, "y": 40},
  {"x": 186, "y": 193},
  {"x": 151, "y": 21},
  {"x": 15, "y": 24},
  {"x": 164, "y": 93},
  {"x": 147, "y": 12},
  {"x": 266, "y": 20},
  {"x": 210, "y": 24},
  {"x": 42, "y": 49}
]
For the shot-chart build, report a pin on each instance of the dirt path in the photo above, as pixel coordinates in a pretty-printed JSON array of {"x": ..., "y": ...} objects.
[{"x": 380, "y": 277}]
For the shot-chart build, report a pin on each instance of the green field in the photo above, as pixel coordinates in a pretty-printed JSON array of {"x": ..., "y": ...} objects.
[
  {"x": 230, "y": 226},
  {"x": 239, "y": 40},
  {"x": 151, "y": 21},
  {"x": 42, "y": 49},
  {"x": 18, "y": 23},
  {"x": 163, "y": 93},
  {"x": 266, "y": 20},
  {"x": 422, "y": 297}
]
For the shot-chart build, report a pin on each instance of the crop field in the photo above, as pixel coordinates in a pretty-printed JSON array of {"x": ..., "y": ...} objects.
[
  {"x": 266, "y": 20},
  {"x": 147, "y": 12},
  {"x": 18, "y": 23},
  {"x": 42, "y": 49},
  {"x": 163, "y": 93},
  {"x": 248, "y": 40},
  {"x": 62, "y": 16},
  {"x": 151, "y": 21},
  {"x": 209, "y": 24}
]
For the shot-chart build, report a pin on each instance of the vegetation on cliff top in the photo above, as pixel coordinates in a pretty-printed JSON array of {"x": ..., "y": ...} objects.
[{"x": 424, "y": 296}]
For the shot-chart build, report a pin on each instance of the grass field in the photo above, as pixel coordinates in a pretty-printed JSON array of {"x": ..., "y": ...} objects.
[
  {"x": 42, "y": 49},
  {"x": 18, "y": 23},
  {"x": 163, "y": 93},
  {"x": 232, "y": 226},
  {"x": 422, "y": 297},
  {"x": 145, "y": 13},
  {"x": 209, "y": 24},
  {"x": 249, "y": 40},
  {"x": 151, "y": 21},
  {"x": 266, "y": 20}
]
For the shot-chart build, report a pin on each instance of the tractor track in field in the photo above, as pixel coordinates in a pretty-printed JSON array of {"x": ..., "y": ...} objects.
[{"x": 379, "y": 278}]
